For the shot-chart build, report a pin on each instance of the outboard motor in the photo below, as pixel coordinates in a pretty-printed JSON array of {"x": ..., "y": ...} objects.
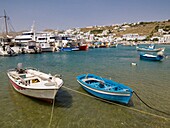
[{"x": 19, "y": 68}]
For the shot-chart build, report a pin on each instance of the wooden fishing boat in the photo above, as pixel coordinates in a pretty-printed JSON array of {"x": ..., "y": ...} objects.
[
  {"x": 151, "y": 57},
  {"x": 33, "y": 83},
  {"x": 105, "y": 89}
]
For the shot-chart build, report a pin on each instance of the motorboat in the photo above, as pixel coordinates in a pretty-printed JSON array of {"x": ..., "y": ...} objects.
[
  {"x": 31, "y": 48},
  {"x": 7, "y": 51},
  {"x": 34, "y": 83}
]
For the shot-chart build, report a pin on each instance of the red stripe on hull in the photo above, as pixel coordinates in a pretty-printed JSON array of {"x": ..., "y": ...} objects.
[{"x": 16, "y": 86}]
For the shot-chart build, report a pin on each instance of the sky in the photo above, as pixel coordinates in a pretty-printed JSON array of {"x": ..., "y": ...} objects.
[{"x": 67, "y": 14}]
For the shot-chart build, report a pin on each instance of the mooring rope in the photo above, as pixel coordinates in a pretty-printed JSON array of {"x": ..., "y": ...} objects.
[
  {"x": 144, "y": 112},
  {"x": 52, "y": 111},
  {"x": 149, "y": 105}
]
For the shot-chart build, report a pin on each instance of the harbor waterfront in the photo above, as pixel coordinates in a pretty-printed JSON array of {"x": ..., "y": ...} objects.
[{"x": 73, "y": 106}]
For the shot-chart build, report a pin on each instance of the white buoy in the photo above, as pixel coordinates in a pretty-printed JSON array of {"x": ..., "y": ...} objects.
[{"x": 133, "y": 64}]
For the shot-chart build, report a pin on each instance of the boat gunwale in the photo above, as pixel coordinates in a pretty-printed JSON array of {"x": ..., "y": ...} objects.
[{"x": 106, "y": 92}]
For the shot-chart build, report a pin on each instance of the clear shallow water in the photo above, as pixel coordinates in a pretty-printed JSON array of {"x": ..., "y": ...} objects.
[{"x": 73, "y": 110}]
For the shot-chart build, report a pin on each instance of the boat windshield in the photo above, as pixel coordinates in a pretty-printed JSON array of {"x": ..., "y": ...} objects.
[
  {"x": 35, "y": 80},
  {"x": 23, "y": 76}
]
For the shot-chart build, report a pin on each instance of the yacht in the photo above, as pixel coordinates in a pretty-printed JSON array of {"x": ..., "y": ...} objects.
[
  {"x": 45, "y": 41},
  {"x": 26, "y": 37}
]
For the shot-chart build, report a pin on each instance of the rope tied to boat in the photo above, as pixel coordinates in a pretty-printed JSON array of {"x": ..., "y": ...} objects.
[
  {"x": 52, "y": 112},
  {"x": 143, "y": 112},
  {"x": 149, "y": 105}
]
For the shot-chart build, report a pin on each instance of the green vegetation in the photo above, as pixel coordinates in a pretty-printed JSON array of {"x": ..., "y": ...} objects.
[
  {"x": 142, "y": 28},
  {"x": 96, "y": 32}
]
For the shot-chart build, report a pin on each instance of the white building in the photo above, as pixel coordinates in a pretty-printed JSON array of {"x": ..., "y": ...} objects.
[
  {"x": 165, "y": 39},
  {"x": 133, "y": 37}
]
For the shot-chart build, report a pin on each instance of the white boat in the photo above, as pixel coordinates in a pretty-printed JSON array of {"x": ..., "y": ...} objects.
[
  {"x": 46, "y": 47},
  {"x": 34, "y": 83},
  {"x": 45, "y": 40},
  {"x": 7, "y": 51},
  {"x": 151, "y": 48},
  {"x": 43, "y": 37},
  {"x": 30, "y": 48},
  {"x": 26, "y": 36}
]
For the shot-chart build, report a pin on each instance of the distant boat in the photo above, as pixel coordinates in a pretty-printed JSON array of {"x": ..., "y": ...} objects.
[
  {"x": 113, "y": 45},
  {"x": 152, "y": 57},
  {"x": 46, "y": 47},
  {"x": 26, "y": 36},
  {"x": 104, "y": 45},
  {"x": 83, "y": 47},
  {"x": 30, "y": 48},
  {"x": 66, "y": 49},
  {"x": 7, "y": 51},
  {"x": 91, "y": 46},
  {"x": 105, "y": 89},
  {"x": 33, "y": 83},
  {"x": 69, "y": 49},
  {"x": 151, "y": 48}
]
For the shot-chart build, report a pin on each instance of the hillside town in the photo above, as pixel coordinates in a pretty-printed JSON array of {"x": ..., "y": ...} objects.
[
  {"x": 95, "y": 34},
  {"x": 129, "y": 34}
]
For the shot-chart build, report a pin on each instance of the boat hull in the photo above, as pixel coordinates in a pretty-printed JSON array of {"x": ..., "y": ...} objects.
[
  {"x": 50, "y": 49},
  {"x": 44, "y": 94},
  {"x": 151, "y": 58},
  {"x": 69, "y": 49},
  {"x": 83, "y": 47}
]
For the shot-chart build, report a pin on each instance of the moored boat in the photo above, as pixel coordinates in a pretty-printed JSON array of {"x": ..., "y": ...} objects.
[
  {"x": 69, "y": 49},
  {"x": 113, "y": 45},
  {"x": 152, "y": 57},
  {"x": 34, "y": 83},
  {"x": 46, "y": 47},
  {"x": 83, "y": 47},
  {"x": 151, "y": 48},
  {"x": 30, "y": 48},
  {"x": 7, "y": 51},
  {"x": 105, "y": 89}
]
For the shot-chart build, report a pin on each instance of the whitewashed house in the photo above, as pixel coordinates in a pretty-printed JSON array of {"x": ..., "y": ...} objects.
[
  {"x": 133, "y": 37},
  {"x": 165, "y": 39}
]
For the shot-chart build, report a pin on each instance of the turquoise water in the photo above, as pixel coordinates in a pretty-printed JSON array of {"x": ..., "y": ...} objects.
[{"x": 74, "y": 110}]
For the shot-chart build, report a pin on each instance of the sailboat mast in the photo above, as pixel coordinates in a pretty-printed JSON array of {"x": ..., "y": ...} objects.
[{"x": 5, "y": 18}]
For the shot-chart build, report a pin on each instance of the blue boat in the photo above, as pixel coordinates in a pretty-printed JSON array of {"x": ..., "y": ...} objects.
[
  {"x": 151, "y": 57},
  {"x": 105, "y": 88},
  {"x": 69, "y": 49}
]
